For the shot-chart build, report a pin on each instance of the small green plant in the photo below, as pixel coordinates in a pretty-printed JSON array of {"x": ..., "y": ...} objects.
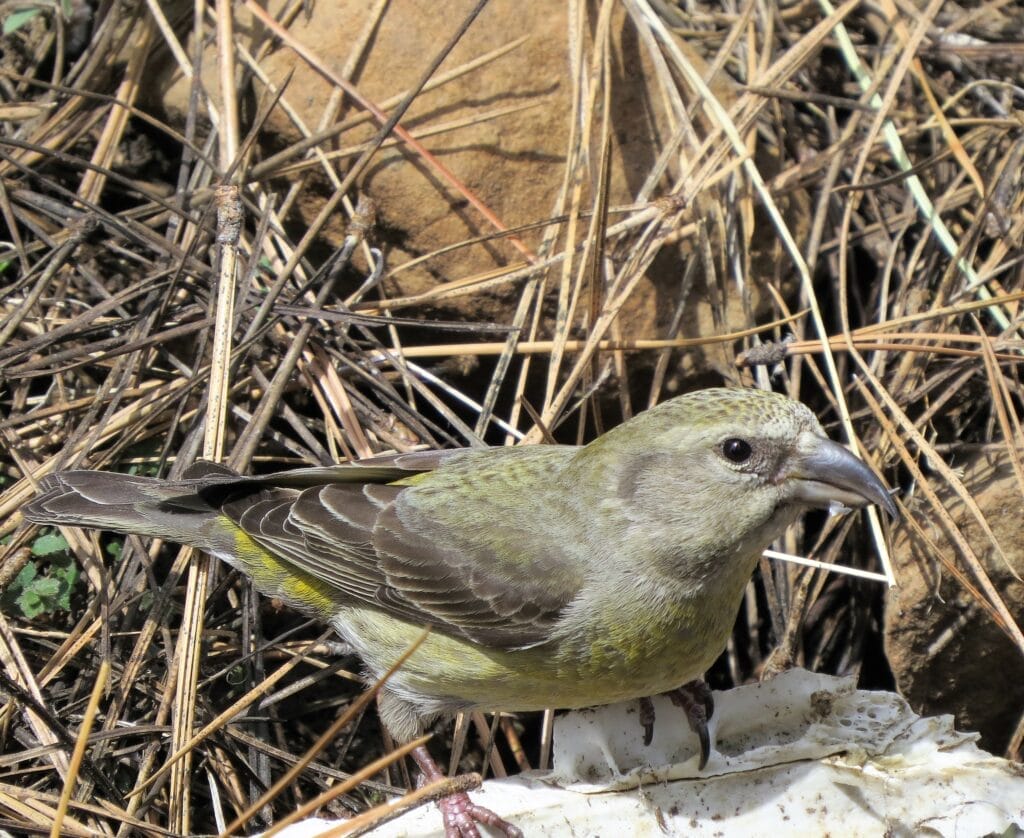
[
  {"x": 6, "y": 245},
  {"x": 34, "y": 592},
  {"x": 20, "y": 17}
]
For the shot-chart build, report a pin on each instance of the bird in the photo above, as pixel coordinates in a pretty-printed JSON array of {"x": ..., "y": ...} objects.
[{"x": 550, "y": 575}]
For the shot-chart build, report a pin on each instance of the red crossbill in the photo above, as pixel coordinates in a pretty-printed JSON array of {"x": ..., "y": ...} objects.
[{"x": 552, "y": 576}]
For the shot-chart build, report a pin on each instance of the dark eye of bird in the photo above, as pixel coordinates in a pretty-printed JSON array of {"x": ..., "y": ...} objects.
[{"x": 737, "y": 450}]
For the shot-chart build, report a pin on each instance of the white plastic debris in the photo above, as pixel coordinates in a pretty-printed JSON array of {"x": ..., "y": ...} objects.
[{"x": 804, "y": 754}]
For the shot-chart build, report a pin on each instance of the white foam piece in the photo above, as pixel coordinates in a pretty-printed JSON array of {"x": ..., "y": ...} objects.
[{"x": 803, "y": 754}]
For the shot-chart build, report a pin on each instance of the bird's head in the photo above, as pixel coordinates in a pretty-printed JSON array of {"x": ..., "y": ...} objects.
[{"x": 731, "y": 468}]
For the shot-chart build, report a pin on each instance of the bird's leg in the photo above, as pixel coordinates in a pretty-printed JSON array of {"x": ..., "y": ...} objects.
[
  {"x": 461, "y": 815},
  {"x": 699, "y": 705},
  {"x": 647, "y": 719}
]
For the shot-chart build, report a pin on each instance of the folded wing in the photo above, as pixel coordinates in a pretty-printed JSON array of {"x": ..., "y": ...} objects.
[{"x": 445, "y": 546}]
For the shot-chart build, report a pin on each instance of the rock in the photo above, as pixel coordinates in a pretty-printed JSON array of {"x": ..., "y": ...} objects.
[
  {"x": 514, "y": 163},
  {"x": 946, "y": 651}
]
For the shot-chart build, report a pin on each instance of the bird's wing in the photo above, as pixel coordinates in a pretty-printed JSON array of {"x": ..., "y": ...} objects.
[{"x": 468, "y": 560}]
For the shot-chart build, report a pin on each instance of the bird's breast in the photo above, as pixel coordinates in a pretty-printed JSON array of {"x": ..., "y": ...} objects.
[{"x": 645, "y": 648}]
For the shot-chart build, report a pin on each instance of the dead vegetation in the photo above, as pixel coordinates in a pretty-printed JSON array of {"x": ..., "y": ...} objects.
[{"x": 822, "y": 200}]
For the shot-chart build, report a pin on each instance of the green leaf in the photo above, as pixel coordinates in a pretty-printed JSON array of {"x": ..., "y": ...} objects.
[
  {"x": 30, "y": 604},
  {"x": 26, "y": 575},
  {"x": 49, "y": 543},
  {"x": 10, "y": 598},
  {"x": 46, "y": 587},
  {"x": 15, "y": 20}
]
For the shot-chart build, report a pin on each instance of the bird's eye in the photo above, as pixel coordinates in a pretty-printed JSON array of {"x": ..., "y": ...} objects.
[{"x": 737, "y": 450}]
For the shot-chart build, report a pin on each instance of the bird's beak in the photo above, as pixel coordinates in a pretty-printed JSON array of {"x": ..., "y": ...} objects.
[{"x": 823, "y": 473}]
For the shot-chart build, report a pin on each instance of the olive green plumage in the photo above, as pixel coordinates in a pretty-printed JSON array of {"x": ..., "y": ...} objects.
[{"x": 551, "y": 575}]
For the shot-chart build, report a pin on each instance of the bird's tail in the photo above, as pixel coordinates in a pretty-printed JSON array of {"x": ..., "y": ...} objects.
[{"x": 173, "y": 510}]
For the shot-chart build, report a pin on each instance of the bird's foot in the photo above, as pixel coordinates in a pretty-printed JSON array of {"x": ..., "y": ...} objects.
[
  {"x": 461, "y": 815},
  {"x": 699, "y": 705}
]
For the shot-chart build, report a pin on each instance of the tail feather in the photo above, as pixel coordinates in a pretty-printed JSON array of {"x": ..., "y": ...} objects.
[
  {"x": 189, "y": 510},
  {"x": 122, "y": 503}
]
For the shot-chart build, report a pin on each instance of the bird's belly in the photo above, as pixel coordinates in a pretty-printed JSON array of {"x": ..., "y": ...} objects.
[{"x": 446, "y": 674}]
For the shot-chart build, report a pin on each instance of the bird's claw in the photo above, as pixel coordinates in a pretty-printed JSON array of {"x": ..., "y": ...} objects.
[
  {"x": 461, "y": 815},
  {"x": 697, "y": 702},
  {"x": 699, "y": 705}
]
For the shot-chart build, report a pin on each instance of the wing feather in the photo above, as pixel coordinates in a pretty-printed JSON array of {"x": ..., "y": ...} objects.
[{"x": 430, "y": 550}]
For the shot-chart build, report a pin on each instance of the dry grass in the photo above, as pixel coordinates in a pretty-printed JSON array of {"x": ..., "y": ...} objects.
[{"x": 857, "y": 186}]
